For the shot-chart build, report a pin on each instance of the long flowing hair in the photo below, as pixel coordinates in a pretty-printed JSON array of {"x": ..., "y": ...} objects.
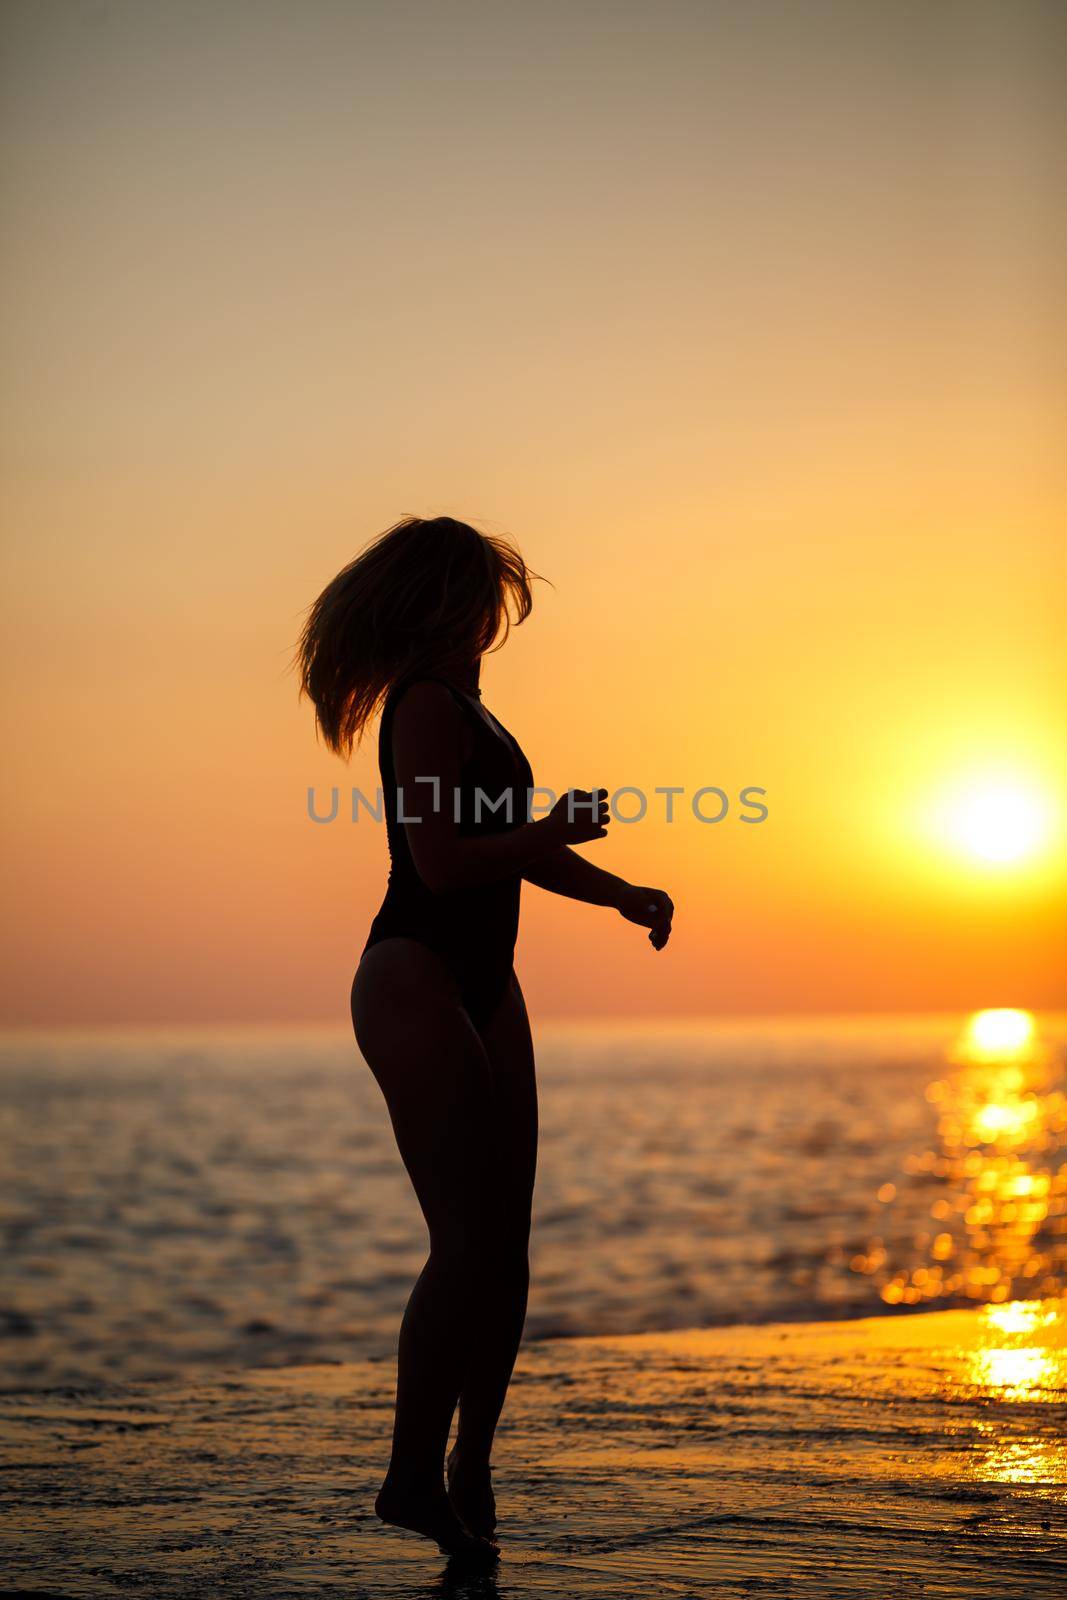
[{"x": 427, "y": 594}]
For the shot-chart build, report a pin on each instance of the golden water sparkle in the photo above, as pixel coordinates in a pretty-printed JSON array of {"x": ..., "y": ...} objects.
[{"x": 982, "y": 1213}]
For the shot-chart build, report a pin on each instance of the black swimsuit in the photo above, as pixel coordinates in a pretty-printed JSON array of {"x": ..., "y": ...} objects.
[{"x": 472, "y": 930}]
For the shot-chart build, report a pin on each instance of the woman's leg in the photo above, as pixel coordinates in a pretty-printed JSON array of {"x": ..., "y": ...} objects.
[
  {"x": 496, "y": 1337},
  {"x": 435, "y": 1074}
]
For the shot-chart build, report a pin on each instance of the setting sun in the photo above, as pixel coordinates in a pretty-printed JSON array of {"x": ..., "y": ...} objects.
[
  {"x": 1003, "y": 1033},
  {"x": 999, "y": 824}
]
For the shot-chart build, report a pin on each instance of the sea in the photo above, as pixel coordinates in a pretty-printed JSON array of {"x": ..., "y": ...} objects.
[{"x": 220, "y": 1197}]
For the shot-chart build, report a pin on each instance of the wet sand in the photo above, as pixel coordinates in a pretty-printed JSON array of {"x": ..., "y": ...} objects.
[{"x": 902, "y": 1455}]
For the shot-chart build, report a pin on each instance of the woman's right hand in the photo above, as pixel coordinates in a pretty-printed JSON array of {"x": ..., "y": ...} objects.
[{"x": 578, "y": 817}]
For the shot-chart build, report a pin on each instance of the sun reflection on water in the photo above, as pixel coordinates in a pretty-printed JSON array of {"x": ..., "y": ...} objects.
[
  {"x": 1024, "y": 1461},
  {"x": 1021, "y": 1374},
  {"x": 983, "y": 1214},
  {"x": 1017, "y": 1354},
  {"x": 1022, "y": 1316}
]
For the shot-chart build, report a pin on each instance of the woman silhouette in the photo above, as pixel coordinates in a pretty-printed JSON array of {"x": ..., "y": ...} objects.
[{"x": 436, "y": 1006}]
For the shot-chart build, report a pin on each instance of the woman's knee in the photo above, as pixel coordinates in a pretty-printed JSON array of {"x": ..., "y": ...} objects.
[
  {"x": 461, "y": 1266},
  {"x": 509, "y": 1224},
  {"x": 461, "y": 1248},
  {"x": 484, "y": 1245},
  {"x": 510, "y": 1249}
]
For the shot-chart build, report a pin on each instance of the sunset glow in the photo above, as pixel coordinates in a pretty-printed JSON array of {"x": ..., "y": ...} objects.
[{"x": 689, "y": 311}]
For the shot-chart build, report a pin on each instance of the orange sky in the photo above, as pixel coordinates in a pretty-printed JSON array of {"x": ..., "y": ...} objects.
[{"x": 739, "y": 318}]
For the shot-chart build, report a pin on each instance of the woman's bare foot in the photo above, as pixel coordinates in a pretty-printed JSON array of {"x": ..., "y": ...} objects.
[
  {"x": 428, "y": 1511},
  {"x": 470, "y": 1493}
]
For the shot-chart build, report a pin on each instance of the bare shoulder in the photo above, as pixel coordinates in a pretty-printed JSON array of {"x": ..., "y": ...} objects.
[
  {"x": 425, "y": 703},
  {"x": 428, "y": 726}
]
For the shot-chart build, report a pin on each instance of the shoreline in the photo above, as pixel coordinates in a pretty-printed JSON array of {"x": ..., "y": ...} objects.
[
  {"x": 199, "y": 1369},
  {"x": 850, "y": 1457}
]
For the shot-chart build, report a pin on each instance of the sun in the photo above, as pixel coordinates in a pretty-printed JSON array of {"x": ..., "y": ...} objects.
[
  {"x": 1001, "y": 1034},
  {"x": 999, "y": 823}
]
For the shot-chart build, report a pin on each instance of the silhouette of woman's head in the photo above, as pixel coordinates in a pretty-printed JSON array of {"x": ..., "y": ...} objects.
[{"x": 429, "y": 595}]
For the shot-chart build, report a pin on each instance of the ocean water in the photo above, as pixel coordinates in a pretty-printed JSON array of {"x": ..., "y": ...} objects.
[{"x": 174, "y": 1199}]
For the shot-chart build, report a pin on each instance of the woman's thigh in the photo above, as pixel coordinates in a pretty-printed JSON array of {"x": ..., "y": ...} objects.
[
  {"x": 510, "y": 1054},
  {"x": 435, "y": 1074}
]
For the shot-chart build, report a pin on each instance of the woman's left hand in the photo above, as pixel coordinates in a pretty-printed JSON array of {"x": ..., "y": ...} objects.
[{"x": 649, "y": 908}]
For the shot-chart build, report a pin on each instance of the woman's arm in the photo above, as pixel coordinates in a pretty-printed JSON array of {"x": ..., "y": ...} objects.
[
  {"x": 564, "y": 872},
  {"x": 427, "y": 744}
]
